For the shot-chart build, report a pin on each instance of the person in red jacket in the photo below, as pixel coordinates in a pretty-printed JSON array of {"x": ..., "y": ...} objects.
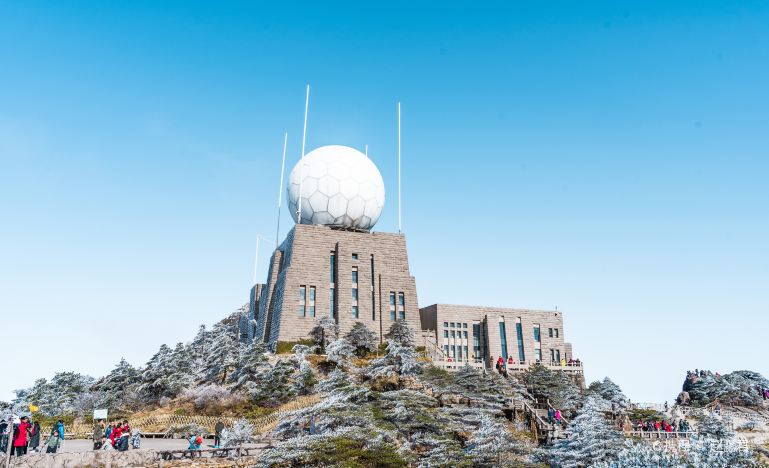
[
  {"x": 116, "y": 433},
  {"x": 20, "y": 437}
]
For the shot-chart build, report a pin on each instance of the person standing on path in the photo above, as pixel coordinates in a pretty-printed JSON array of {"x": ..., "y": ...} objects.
[
  {"x": 20, "y": 437},
  {"x": 558, "y": 417},
  {"x": 53, "y": 442},
  {"x": 34, "y": 439},
  {"x": 218, "y": 434}
]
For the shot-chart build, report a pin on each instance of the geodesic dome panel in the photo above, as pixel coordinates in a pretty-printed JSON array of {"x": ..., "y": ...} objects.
[{"x": 340, "y": 187}]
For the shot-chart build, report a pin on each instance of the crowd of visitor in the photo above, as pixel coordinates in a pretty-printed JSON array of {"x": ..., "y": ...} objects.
[
  {"x": 25, "y": 437},
  {"x": 657, "y": 425}
]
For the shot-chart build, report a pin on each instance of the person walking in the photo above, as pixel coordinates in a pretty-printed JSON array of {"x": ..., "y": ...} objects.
[
  {"x": 60, "y": 428},
  {"x": 98, "y": 433},
  {"x": 53, "y": 442},
  {"x": 557, "y": 417},
  {"x": 218, "y": 434},
  {"x": 20, "y": 437},
  {"x": 34, "y": 437}
]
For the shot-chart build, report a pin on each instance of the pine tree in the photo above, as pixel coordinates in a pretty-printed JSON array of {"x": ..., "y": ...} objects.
[
  {"x": 275, "y": 385},
  {"x": 592, "y": 438},
  {"x": 252, "y": 363},
  {"x": 324, "y": 332},
  {"x": 609, "y": 391},
  {"x": 401, "y": 333},
  {"x": 199, "y": 348},
  {"x": 117, "y": 390},
  {"x": 494, "y": 445},
  {"x": 363, "y": 339},
  {"x": 644, "y": 455},
  {"x": 713, "y": 426},
  {"x": 340, "y": 352},
  {"x": 223, "y": 354},
  {"x": 155, "y": 377},
  {"x": 242, "y": 432},
  {"x": 556, "y": 386},
  {"x": 182, "y": 375}
]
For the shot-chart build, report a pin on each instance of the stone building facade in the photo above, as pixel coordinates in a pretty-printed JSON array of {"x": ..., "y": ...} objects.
[
  {"x": 480, "y": 335},
  {"x": 351, "y": 275}
]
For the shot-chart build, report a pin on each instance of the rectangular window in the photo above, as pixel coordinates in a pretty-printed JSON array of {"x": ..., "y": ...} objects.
[
  {"x": 311, "y": 304},
  {"x": 464, "y": 325},
  {"x": 550, "y": 332},
  {"x": 519, "y": 332},
  {"x": 465, "y": 334},
  {"x": 401, "y": 300},
  {"x": 466, "y": 355},
  {"x": 445, "y": 333},
  {"x": 538, "y": 355},
  {"x": 331, "y": 311},
  {"x": 477, "y": 340},
  {"x": 445, "y": 324},
  {"x": 355, "y": 294},
  {"x": 311, "y": 311},
  {"x": 503, "y": 339},
  {"x": 402, "y": 314},
  {"x": 459, "y": 353},
  {"x": 556, "y": 333},
  {"x": 392, "y": 305},
  {"x": 332, "y": 268},
  {"x": 312, "y": 294},
  {"x": 302, "y": 301},
  {"x": 536, "y": 334},
  {"x": 354, "y": 256},
  {"x": 445, "y": 350},
  {"x": 354, "y": 276},
  {"x": 451, "y": 334},
  {"x": 354, "y": 311},
  {"x": 451, "y": 324},
  {"x": 558, "y": 356}
]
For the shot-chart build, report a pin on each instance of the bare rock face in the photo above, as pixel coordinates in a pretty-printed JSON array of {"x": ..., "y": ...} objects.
[
  {"x": 385, "y": 383},
  {"x": 683, "y": 399},
  {"x": 450, "y": 399}
]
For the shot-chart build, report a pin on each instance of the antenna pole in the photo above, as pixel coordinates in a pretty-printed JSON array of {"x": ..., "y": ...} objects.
[
  {"x": 280, "y": 189},
  {"x": 400, "y": 225},
  {"x": 304, "y": 137},
  {"x": 256, "y": 258}
]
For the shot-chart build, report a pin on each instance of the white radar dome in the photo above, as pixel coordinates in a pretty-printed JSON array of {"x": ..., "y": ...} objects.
[{"x": 340, "y": 187}]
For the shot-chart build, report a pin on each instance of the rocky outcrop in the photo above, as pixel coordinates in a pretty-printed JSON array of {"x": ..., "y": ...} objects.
[{"x": 112, "y": 459}]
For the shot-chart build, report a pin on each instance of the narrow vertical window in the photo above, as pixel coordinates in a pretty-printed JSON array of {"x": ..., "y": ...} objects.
[
  {"x": 503, "y": 339},
  {"x": 477, "y": 341},
  {"x": 332, "y": 268},
  {"x": 392, "y": 305},
  {"x": 311, "y": 304},
  {"x": 401, "y": 306},
  {"x": 556, "y": 333},
  {"x": 536, "y": 334},
  {"x": 354, "y": 311},
  {"x": 519, "y": 333},
  {"x": 302, "y": 301}
]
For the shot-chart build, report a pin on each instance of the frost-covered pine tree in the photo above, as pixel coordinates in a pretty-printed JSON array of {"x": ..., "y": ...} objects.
[
  {"x": 609, "y": 391},
  {"x": 223, "y": 354},
  {"x": 401, "y": 333},
  {"x": 644, "y": 455},
  {"x": 155, "y": 377},
  {"x": 493, "y": 444},
  {"x": 252, "y": 363},
  {"x": 324, "y": 332},
  {"x": 714, "y": 426},
  {"x": 275, "y": 385},
  {"x": 199, "y": 348},
  {"x": 117, "y": 390},
  {"x": 340, "y": 352},
  {"x": 242, "y": 432},
  {"x": 718, "y": 453},
  {"x": 182, "y": 376},
  {"x": 592, "y": 439},
  {"x": 399, "y": 360},
  {"x": 363, "y": 339}
]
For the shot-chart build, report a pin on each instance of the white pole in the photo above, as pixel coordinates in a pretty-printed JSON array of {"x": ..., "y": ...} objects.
[
  {"x": 280, "y": 189},
  {"x": 304, "y": 137},
  {"x": 256, "y": 258},
  {"x": 400, "y": 225}
]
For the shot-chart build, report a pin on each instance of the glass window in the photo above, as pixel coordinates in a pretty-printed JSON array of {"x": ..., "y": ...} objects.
[
  {"x": 355, "y": 294},
  {"x": 312, "y": 294},
  {"x": 459, "y": 353},
  {"x": 302, "y": 293},
  {"x": 445, "y": 324},
  {"x": 558, "y": 356},
  {"x": 311, "y": 311},
  {"x": 445, "y": 333},
  {"x": 536, "y": 333},
  {"x": 392, "y": 298},
  {"x": 451, "y": 334},
  {"x": 392, "y": 314},
  {"x": 354, "y": 256},
  {"x": 401, "y": 299},
  {"x": 354, "y": 311},
  {"x": 451, "y": 324},
  {"x": 465, "y": 334},
  {"x": 331, "y": 312},
  {"x": 355, "y": 275},
  {"x": 552, "y": 355},
  {"x": 402, "y": 314},
  {"x": 556, "y": 333},
  {"x": 519, "y": 332},
  {"x": 464, "y": 325},
  {"x": 445, "y": 350},
  {"x": 503, "y": 339},
  {"x": 550, "y": 332},
  {"x": 466, "y": 355}
]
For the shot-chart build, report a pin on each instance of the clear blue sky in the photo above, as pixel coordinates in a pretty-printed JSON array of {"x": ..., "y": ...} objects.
[{"x": 611, "y": 160}]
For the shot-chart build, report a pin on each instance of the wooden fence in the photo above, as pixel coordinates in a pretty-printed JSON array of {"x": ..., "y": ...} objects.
[{"x": 163, "y": 423}]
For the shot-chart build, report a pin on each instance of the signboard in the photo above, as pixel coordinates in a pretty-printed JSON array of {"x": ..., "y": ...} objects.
[{"x": 100, "y": 414}]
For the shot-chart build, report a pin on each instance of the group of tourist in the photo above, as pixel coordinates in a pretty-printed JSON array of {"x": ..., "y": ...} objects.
[
  {"x": 697, "y": 374},
  {"x": 25, "y": 437},
  {"x": 657, "y": 425},
  {"x": 111, "y": 436},
  {"x": 554, "y": 417},
  {"x": 763, "y": 391}
]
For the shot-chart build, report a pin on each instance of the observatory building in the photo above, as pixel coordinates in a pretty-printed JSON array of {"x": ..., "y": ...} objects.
[{"x": 332, "y": 264}]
